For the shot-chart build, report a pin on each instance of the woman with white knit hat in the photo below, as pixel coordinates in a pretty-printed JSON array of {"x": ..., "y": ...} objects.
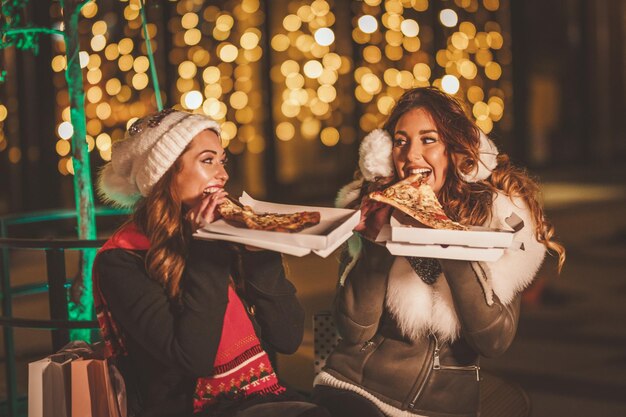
[
  {"x": 188, "y": 321},
  {"x": 413, "y": 328}
]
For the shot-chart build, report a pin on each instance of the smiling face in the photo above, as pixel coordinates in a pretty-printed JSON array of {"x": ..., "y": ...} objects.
[
  {"x": 419, "y": 148},
  {"x": 201, "y": 169}
]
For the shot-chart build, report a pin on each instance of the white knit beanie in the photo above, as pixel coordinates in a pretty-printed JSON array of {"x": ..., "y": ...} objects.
[{"x": 151, "y": 146}]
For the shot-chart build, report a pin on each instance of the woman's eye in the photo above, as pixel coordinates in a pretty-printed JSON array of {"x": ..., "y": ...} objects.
[
  {"x": 429, "y": 140},
  {"x": 399, "y": 142},
  {"x": 224, "y": 161},
  {"x": 208, "y": 161}
]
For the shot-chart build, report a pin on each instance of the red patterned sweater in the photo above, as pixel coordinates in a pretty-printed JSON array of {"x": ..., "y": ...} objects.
[{"x": 240, "y": 368}]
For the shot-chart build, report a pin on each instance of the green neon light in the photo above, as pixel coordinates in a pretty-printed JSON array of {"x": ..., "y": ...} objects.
[
  {"x": 83, "y": 190},
  {"x": 153, "y": 71}
]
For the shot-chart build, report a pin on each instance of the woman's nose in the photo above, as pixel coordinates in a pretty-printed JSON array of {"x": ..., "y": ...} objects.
[
  {"x": 414, "y": 152},
  {"x": 222, "y": 174}
]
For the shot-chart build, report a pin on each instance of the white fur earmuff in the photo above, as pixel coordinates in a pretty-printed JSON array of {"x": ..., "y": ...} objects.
[
  {"x": 487, "y": 161},
  {"x": 375, "y": 155}
]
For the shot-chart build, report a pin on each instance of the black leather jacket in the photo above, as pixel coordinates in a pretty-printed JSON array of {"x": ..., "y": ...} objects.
[{"x": 425, "y": 376}]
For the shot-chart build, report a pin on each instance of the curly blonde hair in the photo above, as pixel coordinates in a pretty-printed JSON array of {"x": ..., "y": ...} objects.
[{"x": 470, "y": 203}]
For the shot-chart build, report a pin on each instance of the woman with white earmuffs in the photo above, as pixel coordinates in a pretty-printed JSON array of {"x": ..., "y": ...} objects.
[{"x": 413, "y": 329}]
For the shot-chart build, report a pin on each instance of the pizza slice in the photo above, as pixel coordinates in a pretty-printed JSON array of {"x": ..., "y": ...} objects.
[
  {"x": 292, "y": 222},
  {"x": 417, "y": 199}
]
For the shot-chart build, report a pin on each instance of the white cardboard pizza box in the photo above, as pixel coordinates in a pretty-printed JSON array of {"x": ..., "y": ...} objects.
[
  {"x": 445, "y": 252},
  {"x": 438, "y": 251},
  {"x": 334, "y": 228},
  {"x": 404, "y": 230},
  {"x": 269, "y": 245}
]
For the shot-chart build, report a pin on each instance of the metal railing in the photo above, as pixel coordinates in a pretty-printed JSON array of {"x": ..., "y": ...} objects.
[{"x": 55, "y": 285}]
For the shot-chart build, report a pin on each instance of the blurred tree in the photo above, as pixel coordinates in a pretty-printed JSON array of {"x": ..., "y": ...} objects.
[{"x": 23, "y": 36}]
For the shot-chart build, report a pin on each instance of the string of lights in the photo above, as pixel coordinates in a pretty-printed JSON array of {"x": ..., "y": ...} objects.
[{"x": 327, "y": 91}]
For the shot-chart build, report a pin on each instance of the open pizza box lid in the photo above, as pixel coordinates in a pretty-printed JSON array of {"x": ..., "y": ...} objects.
[
  {"x": 406, "y": 230},
  {"x": 334, "y": 228}
]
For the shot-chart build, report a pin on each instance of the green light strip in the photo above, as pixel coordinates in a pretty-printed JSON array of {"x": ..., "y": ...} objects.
[{"x": 153, "y": 71}]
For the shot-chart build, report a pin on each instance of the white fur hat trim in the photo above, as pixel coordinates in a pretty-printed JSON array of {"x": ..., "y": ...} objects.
[
  {"x": 487, "y": 161},
  {"x": 375, "y": 155},
  {"x": 141, "y": 159}
]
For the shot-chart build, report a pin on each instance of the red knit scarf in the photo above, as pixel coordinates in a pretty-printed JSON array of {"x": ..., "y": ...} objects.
[{"x": 241, "y": 365}]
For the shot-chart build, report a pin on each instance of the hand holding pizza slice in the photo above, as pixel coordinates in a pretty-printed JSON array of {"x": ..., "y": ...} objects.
[{"x": 417, "y": 199}]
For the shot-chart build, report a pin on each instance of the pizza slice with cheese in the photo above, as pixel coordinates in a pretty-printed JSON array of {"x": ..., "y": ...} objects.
[
  {"x": 417, "y": 199},
  {"x": 291, "y": 222}
]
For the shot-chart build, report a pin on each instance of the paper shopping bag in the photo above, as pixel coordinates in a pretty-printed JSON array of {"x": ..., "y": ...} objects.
[
  {"x": 49, "y": 386},
  {"x": 92, "y": 392}
]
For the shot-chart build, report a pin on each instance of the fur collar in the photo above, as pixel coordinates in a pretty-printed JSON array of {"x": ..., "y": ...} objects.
[{"x": 419, "y": 308}]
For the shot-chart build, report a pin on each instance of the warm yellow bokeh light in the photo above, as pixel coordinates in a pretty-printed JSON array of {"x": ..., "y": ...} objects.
[
  {"x": 228, "y": 52},
  {"x": 189, "y": 20},
  {"x": 385, "y": 104},
  {"x": 140, "y": 81},
  {"x": 229, "y": 130},
  {"x": 368, "y": 24},
  {"x": 294, "y": 81},
  {"x": 480, "y": 110},
  {"x": 327, "y": 93},
  {"x": 280, "y": 42},
  {"x": 421, "y": 72},
  {"x": 313, "y": 69},
  {"x": 329, "y": 136},
  {"x": 103, "y": 111},
  {"x": 310, "y": 128},
  {"x": 486, "y": 125},
  {"x": 211, "y": 75},
  {"x": 224, "y": 23},
  {"x": 475, "y": 94},
  {"x": 372, "y": 54},
  {"x": 63, "y": 147},
  {"x": 98, "y": 43},
  {"x": 450, "y": 84},
  {"x": 99, "y": 28},
  {"x": 249, "y": 40},
  {"x": 238, "y": 100},
  {"x": 187, "y": 70},
  {"x": 493, "y": 70},
  {"x": 141, "y": 64},
  {"x": 371, "y": 83},
  {"x": 94, "y": 94},
  {"x": 192, "y": 36},
  {"x": 410, "y": 27},
  {"x": 103, "y": 142},
  {"x": 460, "y": 40},
  {"x": 285, "y": 131},
  {"x": 125, "y": 46},
  {"x": 468, "y": 28},
  {"x": 3, "y": 112},
  {"x": 468, "y": 69},
  {"x": 58, "y": 63},
  {"x": 292, "y": 22}
]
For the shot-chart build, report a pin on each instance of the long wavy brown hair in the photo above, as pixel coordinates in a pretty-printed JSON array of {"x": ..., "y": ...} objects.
[
  {"x": 470, "y": 203},
  {"x": 160, "y": 217}
]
